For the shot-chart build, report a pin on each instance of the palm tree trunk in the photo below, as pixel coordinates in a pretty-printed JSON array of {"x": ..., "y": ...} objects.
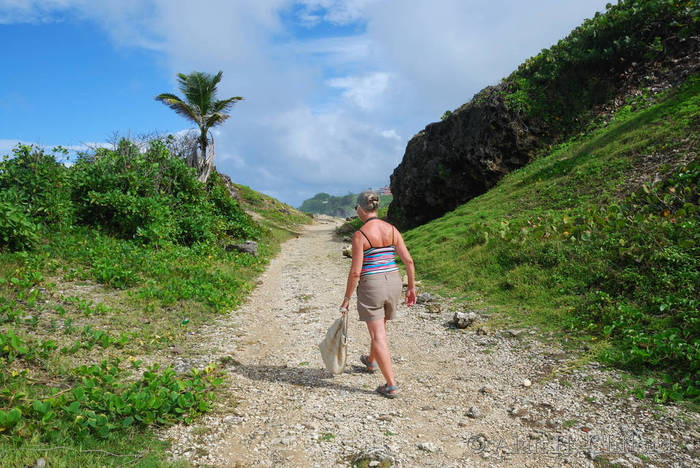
[{"x": 207, "y": 161}]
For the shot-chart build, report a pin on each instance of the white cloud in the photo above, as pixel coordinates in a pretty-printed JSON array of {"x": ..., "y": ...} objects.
[
  {"x": 391, "y": 134},
  {"x": 363, "y": 91},
  {"x": 336, "y": 11},
  {"x": 293, "y": 136}
]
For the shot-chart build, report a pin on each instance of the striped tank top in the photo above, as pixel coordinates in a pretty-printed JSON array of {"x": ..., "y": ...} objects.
[{"x": 378, "y": 259}]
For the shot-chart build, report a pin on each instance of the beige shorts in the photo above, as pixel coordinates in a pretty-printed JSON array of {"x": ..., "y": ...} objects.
[{"x": 378, "y": 296}]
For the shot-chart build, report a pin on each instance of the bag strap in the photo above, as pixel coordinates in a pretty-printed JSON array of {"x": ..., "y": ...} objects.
[{"x": 345, "y": 327}]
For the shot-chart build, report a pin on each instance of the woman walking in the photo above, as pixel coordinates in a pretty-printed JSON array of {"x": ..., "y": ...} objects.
[{"x": 375, "y": 274}]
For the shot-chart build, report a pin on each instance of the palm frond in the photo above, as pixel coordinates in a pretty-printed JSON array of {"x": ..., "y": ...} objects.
[
  {"x": 180, "y": 106},
  {"x": 224, "y": 104},
  {"x": 213, "y": 120},
  {"x": 217, "y": 78}
]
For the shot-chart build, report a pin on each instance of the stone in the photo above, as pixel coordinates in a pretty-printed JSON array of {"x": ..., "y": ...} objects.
[
  {"x": 40, "y": 463},
  {"x": 474, "y": 412},
  {"x": 434, "y": 308},
  {"x": 486, "y": 390},
  {"x": 232, "y": 189},
  {"x": 427, "y": 446},
  {"x": 622, "y": 463},
  {"x": 424, "y": 298},
  {"x": 481, "y": 331},
  {"x": 347, "y": 251},
  {"x": 249, "y": 247},
  {"x": 345, "y": 229},
  {"x": 464, "y": 319},
  {"x": 370, "y": 454},
  {"x": 526, "y": 383}
]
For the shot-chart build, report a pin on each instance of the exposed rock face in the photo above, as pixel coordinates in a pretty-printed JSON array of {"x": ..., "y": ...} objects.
[
  {"x": 249, "y": 247},
  {"x": 232, "y": 190},
  {"x": 455, "y": 160}
]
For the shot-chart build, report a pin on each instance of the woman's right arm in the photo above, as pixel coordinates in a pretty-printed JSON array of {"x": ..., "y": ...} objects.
[{"x": 406, "y": 259}]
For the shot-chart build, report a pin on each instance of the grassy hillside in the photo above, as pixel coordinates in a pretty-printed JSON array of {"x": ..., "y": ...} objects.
[
  {"x": 323, "y": 203},
  {"x": 597, "y": 240},
  {"x": 106, "y": 269},
  {"x": 270, "y": 212}
]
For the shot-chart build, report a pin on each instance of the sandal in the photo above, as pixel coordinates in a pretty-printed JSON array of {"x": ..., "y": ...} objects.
[
  {"x": 369, "y": 366},
  {"x": 386, "y": 389}
]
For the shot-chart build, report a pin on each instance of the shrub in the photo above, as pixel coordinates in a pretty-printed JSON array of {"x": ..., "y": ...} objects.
[
  {"x": 561, "y": 83},
  {"x": 154, "y": 197},
  {"x": 17, "y": 230},
  {"x": 39, "y": 182}
]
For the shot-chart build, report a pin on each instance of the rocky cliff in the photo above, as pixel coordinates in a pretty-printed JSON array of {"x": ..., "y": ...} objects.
[{"x": 459, "y": 158}]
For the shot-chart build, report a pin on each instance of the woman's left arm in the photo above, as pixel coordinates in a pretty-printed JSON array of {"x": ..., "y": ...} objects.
[{"x": 355, "y": 268}]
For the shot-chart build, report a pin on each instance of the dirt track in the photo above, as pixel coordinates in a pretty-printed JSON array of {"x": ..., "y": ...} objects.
[{"x": 462, "y": 399}]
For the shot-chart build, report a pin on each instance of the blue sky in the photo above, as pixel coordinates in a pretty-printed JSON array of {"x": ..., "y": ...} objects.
[{"x": 333, "y": 89}]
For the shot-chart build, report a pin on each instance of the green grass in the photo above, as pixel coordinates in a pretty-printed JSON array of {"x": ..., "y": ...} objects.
[
  {"x": 571, "y": 243},
  {"x": 83, "y": 297},
  {"x": 135, "y": 449},
  {"x": 274, "y": 214}
]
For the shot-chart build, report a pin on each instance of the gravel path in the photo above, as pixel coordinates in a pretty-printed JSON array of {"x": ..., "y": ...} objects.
[{"x": 464, "y": 394}]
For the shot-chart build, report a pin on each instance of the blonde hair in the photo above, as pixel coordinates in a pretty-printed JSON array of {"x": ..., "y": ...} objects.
[{"x": 368, "y": 200}]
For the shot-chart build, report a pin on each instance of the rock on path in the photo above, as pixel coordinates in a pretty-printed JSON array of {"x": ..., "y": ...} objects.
[{"x": 462, "y": 401}]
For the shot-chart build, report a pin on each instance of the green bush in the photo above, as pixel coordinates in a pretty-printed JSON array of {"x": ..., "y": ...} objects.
[
  {"x": 39, "y": 183},
  {"x": 562, "y": 83},
  {"x": 154, "y": 198},
  {"x": 17, "y": 230}
]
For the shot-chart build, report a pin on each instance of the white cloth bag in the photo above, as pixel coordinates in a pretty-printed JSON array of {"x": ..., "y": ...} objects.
[{"x": 333, "y": 348}]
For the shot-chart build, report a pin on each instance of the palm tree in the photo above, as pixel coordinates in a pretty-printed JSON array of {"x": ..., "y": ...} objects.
[{"x": 201, "y": 107}]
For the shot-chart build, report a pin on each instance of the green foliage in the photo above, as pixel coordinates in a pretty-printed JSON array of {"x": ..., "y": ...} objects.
[
  {"x": 38, "y": 182},
  {"x": 324, "y": 203},
  {"x": 154, "y": 198},
  {"x": 33, "y": 193},
  {"x": 342, "y": 206},
  {"x": 17, "y": 230},
  {"x": 146, "y": 253},
  {"x": 446, "y": 114},
  {"x": 569, "y": 243},
  {"x": 562, "y": 83},
  {"x": 104, "y": 403}
]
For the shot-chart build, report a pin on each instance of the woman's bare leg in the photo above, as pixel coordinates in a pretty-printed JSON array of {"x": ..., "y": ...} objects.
[
  {"x": 371, "y": 351},
  {"x": 380, "y": 349}
]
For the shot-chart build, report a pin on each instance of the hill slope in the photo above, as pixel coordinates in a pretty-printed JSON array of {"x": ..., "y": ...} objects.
[
  {"x": 598, "y": 235},
  {"x": 635, "y": 45},
  {"x": 340, "y": 206}
]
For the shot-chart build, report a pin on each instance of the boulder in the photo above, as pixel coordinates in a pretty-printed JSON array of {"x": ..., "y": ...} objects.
[
  {"x": 232, "y": 189},
  {"x": 424, "y": 298},
  {"x": 249, "y": 247},
  {"x": 347, "y": 251},
  {"x": 459, "y": 158},
  {"x": 344, "y": 229},
  {"x": 464, "y": 319}
]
